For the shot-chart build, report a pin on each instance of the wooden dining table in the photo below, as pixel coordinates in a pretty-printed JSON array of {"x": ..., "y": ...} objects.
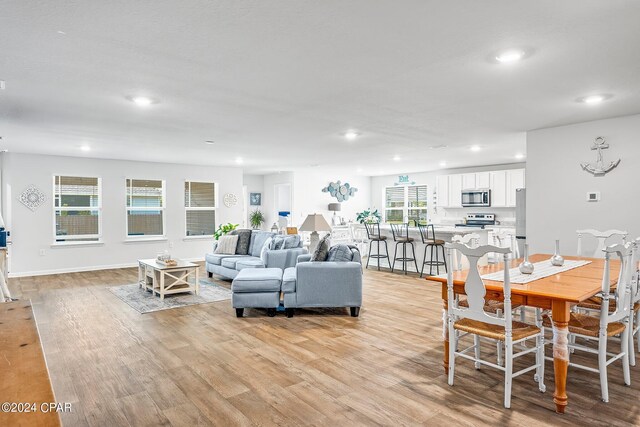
[{"x": 556, "y": 293}]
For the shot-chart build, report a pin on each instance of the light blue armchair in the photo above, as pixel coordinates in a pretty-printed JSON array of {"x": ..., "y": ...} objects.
[{"x": 323, "y": 284}]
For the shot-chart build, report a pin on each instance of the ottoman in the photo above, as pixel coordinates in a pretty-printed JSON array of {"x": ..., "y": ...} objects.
[{"x": 257, "y": 288}]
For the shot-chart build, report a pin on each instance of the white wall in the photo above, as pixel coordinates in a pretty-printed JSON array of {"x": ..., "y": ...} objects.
[
  {"x": 254, "y": 184},
  {"x": 308, "y": 197},
  {"x": 378, "y": 183},
  {"x": 557, "y": 186},
  {"x": 269, "y": 195},
  {"x": 33, "y": 231}
]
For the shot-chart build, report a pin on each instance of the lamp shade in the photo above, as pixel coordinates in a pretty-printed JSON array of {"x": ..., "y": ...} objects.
[
  {"x": 335, "y": 207},
  {"x": 315, "y": 222}
]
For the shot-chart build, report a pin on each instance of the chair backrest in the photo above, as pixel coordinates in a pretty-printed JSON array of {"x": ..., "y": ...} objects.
[
  {"x": 400, "y": 231},
  {"x": 427, "y": 232},
  {"x": 623, "y": 288},
  {"x": 475, "y": 289},
  {"x": 373, "y": 229},
  {"x": 358, "y": 232},
  {"x": 505, "y": 238},
  {"x": 472, "y": 240},
  {"x": 601, "y": 238},
  {"x": 635, "y": 271}
]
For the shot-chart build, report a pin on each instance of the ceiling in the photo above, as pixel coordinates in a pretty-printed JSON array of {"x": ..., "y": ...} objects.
[{"x": 277, "y": 82}]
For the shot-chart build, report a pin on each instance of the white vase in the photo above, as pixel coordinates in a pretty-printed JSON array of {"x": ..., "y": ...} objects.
[
  {"x": 525, "y": 266},
  {"x": 557, "y": 259}
]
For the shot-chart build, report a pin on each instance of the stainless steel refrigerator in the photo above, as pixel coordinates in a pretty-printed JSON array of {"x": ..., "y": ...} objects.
[{"x": 521, "y": 220}]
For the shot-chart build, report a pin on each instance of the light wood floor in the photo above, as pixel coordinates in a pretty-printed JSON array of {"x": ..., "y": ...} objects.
[{"x": 200, "y": 365}]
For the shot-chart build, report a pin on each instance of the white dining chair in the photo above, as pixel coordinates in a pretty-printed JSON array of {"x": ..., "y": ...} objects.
[
  {"x": 634, "y": 319},
  {"x": 475, "y": 321},
  {"x": 504, "y": 238},
  {"x": 607, "y": 324},
  {"x": 471, "y": 240},
  {"x": 601, "y": 240}
]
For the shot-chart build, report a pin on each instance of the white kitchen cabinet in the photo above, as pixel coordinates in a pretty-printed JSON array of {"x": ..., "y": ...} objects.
[
  {"x": 515, "y": 180},
  {"x": 455, "y": 191},
  {"x": 483, "y": 180},
  {"x": 442, "y": 191},
  {"x": 469, "y": 181},
  {"x": 498, "y": 186}
]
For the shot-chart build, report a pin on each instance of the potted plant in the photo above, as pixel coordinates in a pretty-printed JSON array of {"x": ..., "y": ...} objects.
[
  {"x": 367, "y": 216},
  {"x": 256, "y": 218},
  {"x": 224, "y": 229}
]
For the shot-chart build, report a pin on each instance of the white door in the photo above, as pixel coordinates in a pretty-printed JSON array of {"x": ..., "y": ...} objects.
[
  {"x": 498, "y": 185},
  {"x": 483, "y": 180},
  {"x": 442, "y": 191},
  {"x": 469, "y": 181},
  {"x": 455, "y": 191},
  {"x": 515, "y": 180}
]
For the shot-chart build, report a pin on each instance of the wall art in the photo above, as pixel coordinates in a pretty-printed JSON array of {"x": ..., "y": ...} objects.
[
  {"x": 599, "y": 168},
  {"x": 32, "y": 197},
  {"x": 340, "y": 191}
]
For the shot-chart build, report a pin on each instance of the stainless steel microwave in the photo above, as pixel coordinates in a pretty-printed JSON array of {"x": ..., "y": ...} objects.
[{"x": 474, "y": 198}]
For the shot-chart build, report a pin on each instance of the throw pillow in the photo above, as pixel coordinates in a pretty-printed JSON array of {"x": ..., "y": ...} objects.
[
  {"x": 340, "y": 253},
  {"x": 265, "y": 248},
  {"x": 244, "y": 238},
  {"x": 227, "y": 245},
  {"x": 322, "y": 251},
  {"x": 291, "y": 241},
  {"x": 277, "y": 243}
]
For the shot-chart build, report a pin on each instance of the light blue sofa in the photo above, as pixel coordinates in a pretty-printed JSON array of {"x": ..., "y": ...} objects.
[
  {"x": 323, "y": 284},
  {"x": 228, "y": 266}
]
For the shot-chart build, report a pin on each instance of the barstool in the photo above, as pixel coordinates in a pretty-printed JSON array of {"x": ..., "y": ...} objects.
[
  {"x": 373, "y": 234},
  {"x": 432, "y": 243},
  {"x": 401, "y": 237}
]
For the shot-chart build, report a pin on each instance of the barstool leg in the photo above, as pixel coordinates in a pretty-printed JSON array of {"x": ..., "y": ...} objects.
[
  {"x": 395, "y": 253},
  {"x": 431, "y": 263},
  {"x": 369, "y": 257},
  {"x": 404, "y": 258},
  {"x": 415, "y": 259},
  {"x": 378, "y": 255},
  {"x": 437, "y": 260},
  {"x": 424, "y": 260},
  {"x": 386, "y": 248}
]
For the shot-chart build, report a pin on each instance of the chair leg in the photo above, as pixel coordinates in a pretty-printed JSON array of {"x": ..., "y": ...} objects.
[
  {"x": 415, "y": 258},
  {"x": 539, "y": 377},
  {"x": 431, "y": 263},
  {"x": 602, "y": 367},
  {"x": 508, "y": 373},
  {"x": 624, "y": 347},
  {"x": 404, "y": 258},
  {"x": 355, "y": 311},
  {"x": 476, "y": 345},
  {"x": 452, "y": 351},
  {"x": 395, "y": 254},
  {"x": 631, "y": 348},
  {"x": 369, "y": 256},
  {"x": 500, "y": 351},
  {"x": 239, "y": 312},
  {"x": 379, "y": 256},
  {"x": 386, "y": 250},
  {"x": 424, "y": 260}
]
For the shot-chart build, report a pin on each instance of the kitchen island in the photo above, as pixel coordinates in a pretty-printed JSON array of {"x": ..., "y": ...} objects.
[{"x": 442, "y": 231}]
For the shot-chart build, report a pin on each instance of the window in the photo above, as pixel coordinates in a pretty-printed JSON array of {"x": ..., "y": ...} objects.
[
  {"x": 406, "y": 203},
  {"x": 77, "y": 205},
  {"x": 200, "y": 208},
  {"x": 145, "y": 208}
]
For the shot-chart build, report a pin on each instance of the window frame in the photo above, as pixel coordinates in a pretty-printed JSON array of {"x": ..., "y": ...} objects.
[
  {"x": 76, "y": 239},
  {"x": 189, "y": 208},
  {"x": 163, "y": 208},
  {"x": 405, "y": 206}
]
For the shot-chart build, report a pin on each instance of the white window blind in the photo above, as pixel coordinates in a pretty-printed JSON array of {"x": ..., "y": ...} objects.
[
  {"x": 145, "y": 207},
  {"x": 77, "y": 208},
  {"x": 406, "y": 204},
  {"x": 200, "y": 208}
]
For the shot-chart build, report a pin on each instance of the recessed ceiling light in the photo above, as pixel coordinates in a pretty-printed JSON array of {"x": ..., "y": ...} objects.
[
  {"x": 351, "y": 135},
  {"x": 85, "y": 148},
  {"x": 142, "y": 101},
  {"x": 475, "y": 148},
  {"x": 443, "y": 164},
  {"x": 62, "y": 33},
  {"x": 509, "y": 56},
  {"x": 396, "y": 158},
  {"x": 239, "y": 160},
  {"x": 593, "y": 99},
  {"x": 359, "y": 170},
  {"x": 519, "y": 156}
]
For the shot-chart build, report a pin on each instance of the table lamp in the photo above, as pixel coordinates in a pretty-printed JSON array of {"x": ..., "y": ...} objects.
[
  {"x": 335, "y": 207},
  {"x": 314, "y": 223}
]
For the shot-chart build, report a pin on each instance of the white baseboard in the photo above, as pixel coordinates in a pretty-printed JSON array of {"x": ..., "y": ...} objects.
[{"x": 83, "y": 269}]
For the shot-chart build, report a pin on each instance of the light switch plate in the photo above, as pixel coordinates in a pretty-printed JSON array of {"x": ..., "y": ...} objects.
[{"x": 593, "y": 196}]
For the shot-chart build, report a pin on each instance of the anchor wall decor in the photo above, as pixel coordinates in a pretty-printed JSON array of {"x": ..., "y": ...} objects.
[{"x": 599, "y": 168}]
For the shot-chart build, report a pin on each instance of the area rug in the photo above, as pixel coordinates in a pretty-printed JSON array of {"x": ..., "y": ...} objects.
[{"x": 144, "y": 301}]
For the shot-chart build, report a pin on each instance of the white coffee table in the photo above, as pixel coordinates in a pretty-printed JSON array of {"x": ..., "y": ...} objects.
[{"x": 164, "y": 280}]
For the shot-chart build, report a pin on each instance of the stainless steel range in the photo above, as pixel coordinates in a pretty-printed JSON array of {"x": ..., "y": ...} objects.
[{"x": 479, "y": 220}]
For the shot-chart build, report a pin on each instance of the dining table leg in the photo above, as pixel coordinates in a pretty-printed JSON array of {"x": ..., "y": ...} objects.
[
  {"x": 445, "y": 329},
  {"x": 560, "y": 315}
]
